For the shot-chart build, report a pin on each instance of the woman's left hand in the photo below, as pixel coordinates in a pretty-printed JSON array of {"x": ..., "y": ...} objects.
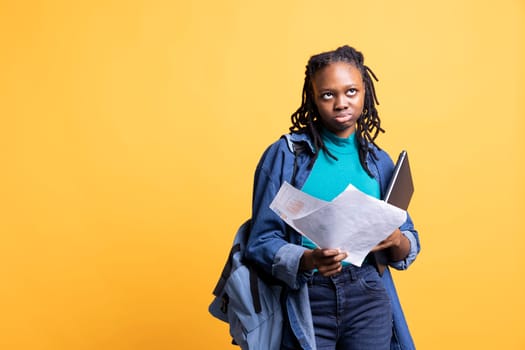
[
  {"x": 394, "y": 240},
  {"x": 397, "y": 244}
]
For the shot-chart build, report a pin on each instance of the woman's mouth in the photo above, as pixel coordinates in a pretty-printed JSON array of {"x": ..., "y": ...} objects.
[{"x": 343, "y": 118}]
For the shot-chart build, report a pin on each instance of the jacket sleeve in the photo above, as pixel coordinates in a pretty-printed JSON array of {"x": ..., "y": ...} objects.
[
  {"x": 410, "y": 232},
  {"x": 268, "y": 245}
]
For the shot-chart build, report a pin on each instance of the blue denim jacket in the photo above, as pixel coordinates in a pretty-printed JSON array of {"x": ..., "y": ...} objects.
[{"x": 276, "y": 249}]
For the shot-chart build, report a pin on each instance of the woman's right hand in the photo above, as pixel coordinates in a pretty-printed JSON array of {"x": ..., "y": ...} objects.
[{"x": 326, "y": 261}]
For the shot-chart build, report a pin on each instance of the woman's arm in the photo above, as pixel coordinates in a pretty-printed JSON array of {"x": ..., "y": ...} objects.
[{"x": 268, "y": 245}]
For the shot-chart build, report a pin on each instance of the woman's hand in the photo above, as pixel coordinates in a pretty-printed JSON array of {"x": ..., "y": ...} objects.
[
  {"x": 397, "y": 244},
  {"x": 326, "y": 261}
]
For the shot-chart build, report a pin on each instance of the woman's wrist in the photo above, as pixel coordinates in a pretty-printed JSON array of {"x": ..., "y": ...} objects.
[
  {"x": 307, "y": 261},
  {"x": 400, "y": 251}
]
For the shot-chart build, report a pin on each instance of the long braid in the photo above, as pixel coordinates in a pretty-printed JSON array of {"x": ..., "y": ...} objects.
[{"x": 306, "y": 119}]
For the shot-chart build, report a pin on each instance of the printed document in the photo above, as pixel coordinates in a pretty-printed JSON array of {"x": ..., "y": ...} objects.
[{"x": 353, "y": 221}]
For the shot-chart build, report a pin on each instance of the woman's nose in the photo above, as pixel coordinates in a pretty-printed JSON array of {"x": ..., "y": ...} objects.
[{"x": 341, "y": 102}]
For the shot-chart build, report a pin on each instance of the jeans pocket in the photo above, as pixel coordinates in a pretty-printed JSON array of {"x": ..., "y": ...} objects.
[{"x": 372, "y": 283}]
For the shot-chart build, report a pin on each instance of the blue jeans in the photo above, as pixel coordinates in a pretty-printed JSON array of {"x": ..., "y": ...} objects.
[{"x": 350, "y": 311}]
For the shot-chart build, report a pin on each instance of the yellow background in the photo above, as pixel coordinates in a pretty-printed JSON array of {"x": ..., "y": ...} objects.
[{"x": 130, "y": 131}]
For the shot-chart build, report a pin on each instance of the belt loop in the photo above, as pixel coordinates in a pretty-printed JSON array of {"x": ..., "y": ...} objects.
[
  {"x": 350, "y": 270},
  {"x": 353, "y": 272}
]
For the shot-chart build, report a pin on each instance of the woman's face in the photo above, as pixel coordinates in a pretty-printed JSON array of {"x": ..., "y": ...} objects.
[{"x": 339, "y": 94}]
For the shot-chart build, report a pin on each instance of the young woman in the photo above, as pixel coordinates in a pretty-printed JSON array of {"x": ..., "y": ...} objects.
[{"x": 328, "y": 303}]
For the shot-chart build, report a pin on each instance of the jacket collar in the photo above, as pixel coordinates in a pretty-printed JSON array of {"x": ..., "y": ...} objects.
[{"x": 293, "y": 137}]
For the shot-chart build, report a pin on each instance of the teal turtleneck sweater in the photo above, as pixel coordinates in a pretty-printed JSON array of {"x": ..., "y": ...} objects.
[{"x": 330, "y": 177}]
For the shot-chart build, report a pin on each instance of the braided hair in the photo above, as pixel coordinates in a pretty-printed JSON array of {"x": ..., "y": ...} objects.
[{"x": 307, "y": 119}]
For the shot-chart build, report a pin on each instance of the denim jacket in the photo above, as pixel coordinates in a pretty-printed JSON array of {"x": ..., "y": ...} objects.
[{"x": 276, "y": 249}]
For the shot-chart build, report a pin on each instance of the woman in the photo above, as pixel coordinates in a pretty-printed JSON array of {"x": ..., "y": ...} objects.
[{"x": 328, "y": 303}]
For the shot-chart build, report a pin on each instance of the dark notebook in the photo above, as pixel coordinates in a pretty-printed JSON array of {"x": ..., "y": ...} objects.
[
  {"x": 398, "y": 193},
  {"x": 400, "y": 189}
]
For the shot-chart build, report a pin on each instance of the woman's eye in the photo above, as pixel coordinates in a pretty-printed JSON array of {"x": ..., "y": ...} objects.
[
  {"x": 326, "y": 95},
  {"x": 351, "y": 92}
]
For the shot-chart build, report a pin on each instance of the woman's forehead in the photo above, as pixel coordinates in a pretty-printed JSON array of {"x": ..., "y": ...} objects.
[{"x": 337, "y": 72}]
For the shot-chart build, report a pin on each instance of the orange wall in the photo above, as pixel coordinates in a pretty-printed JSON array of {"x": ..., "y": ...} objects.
[{"x": 130, "y": 131}]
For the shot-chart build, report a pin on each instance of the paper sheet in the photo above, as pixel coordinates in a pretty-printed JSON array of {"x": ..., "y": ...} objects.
[{"x": 353, "y": 222}]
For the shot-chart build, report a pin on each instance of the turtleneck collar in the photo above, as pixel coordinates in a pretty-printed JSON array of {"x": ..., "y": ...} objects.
[{"x": 340, "y": 145}]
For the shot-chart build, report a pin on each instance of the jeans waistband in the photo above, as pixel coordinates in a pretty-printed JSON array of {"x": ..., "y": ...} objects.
[{"x": 349, "y": 272}]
